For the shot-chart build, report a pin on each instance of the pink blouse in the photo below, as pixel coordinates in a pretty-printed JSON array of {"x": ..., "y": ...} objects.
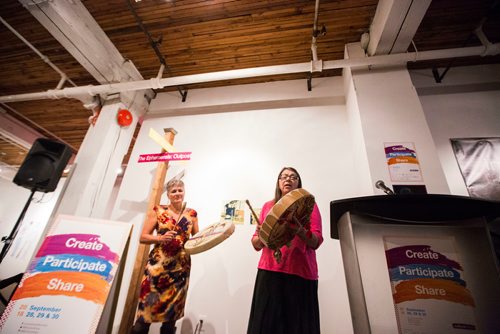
[{"x": 298, "y": 259}]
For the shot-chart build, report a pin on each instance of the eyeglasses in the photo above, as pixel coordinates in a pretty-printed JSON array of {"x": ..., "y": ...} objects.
[{"x": 290, "y": 177}]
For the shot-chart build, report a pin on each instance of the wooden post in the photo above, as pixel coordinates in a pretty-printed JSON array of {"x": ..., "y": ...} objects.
[{"x": 143, "y": 251}]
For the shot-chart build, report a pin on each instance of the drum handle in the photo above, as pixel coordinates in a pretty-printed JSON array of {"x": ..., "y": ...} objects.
[
  {"x": 253, "y": 212},
  {"x": 182, "y": 210}
]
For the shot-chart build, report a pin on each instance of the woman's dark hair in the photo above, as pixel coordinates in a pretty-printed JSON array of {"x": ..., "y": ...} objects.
[{"x": 277, "y": 192}]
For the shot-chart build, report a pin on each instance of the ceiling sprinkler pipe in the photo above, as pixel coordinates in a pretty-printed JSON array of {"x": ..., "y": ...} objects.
[
  {"x": 403, "y": 58},
  {"x": 64, "y": 77},
  {"x": 314, "y": 51},
  {"x": 392, "y": 59}
]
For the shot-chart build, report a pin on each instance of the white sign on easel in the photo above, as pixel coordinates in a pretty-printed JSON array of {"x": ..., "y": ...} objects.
[{"x": 69, "y": 279}]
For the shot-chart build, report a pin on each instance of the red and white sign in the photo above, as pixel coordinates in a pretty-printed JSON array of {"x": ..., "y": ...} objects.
[{"x": 176, "y": 156}]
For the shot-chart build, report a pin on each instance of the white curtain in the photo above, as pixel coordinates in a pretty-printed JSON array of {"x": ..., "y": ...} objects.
[{"x": 479, "y": 162}]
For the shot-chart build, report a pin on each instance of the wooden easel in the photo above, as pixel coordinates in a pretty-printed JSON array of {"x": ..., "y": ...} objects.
[{"x": 143, "y": 251}]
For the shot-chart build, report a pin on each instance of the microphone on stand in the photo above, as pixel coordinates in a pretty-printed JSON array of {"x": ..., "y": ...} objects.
[{"x": 381, "y": 185}]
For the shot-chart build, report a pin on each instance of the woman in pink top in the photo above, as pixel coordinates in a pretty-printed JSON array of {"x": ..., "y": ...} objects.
[{"x": 285, "y": 298}]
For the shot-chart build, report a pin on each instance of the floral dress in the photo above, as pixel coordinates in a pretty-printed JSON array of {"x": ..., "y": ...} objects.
[{"x": 166, "y": 276}]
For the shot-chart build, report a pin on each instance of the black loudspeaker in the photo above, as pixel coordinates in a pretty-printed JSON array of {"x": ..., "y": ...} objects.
[{"x": 43, "y": 166}]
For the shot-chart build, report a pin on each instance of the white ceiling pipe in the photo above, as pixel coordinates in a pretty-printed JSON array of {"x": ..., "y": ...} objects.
[
  {"x": 315, "y": 28},
  {"x": 75, "y": 92},
  {"x": 392, "y": 59},
  {"x": 403, "y": 58},
  {"x": 63, "y": 75}
]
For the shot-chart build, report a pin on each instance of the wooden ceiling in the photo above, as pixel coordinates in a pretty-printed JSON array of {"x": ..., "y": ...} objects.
[{"x": 197, "y": 36}]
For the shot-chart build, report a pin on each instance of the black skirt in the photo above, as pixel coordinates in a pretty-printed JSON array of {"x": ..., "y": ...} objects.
[{"x": 284, "y": 304}]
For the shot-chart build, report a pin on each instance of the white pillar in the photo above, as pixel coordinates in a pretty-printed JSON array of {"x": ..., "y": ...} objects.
[
  {"x": 384, "y": 107},
  {"x": 99, "y": 158}
]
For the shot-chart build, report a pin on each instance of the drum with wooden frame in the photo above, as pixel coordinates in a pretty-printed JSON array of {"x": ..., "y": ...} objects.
[
  {"x": 209, "y": 237},
  {"x": 275, "y": 232}
]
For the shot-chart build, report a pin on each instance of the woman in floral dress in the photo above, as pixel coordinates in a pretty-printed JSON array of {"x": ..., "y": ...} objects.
[{"x": 166, "y": 276}]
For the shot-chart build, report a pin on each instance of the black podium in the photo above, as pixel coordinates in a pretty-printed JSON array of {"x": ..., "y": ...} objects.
[{"x": 418, "y": 264}]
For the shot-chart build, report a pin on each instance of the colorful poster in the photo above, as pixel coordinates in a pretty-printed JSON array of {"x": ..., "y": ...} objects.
[
  {"x": 234, "y": 211},
  {"x": 402, "y": 162},
  {"x": 429, "y": 290},
  {"x": 69, "y": 279},
  {"x": 238, "y": 212}
]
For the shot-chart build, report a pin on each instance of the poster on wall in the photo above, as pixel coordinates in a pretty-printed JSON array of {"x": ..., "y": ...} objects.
[
  {"x": 237, "y": 212},
  {"x": 233, "y": 211},
  {"x": 402, "y": 162},
  {"x": 479, "y": 163},
  {"x": 428, "y": 286},
  {"x": 69, "y": 279}
]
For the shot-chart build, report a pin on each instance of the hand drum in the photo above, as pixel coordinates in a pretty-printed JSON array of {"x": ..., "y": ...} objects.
[
  {"x": 274, "y": 232},
  {"x": 209, "y": 237}
]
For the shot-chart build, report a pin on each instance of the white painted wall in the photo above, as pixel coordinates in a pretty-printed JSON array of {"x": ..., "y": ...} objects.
[
  {"x": 13, "y": 200},
  {"x": 237, "y": 155},
  {"x": 465, "y": 105}
]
